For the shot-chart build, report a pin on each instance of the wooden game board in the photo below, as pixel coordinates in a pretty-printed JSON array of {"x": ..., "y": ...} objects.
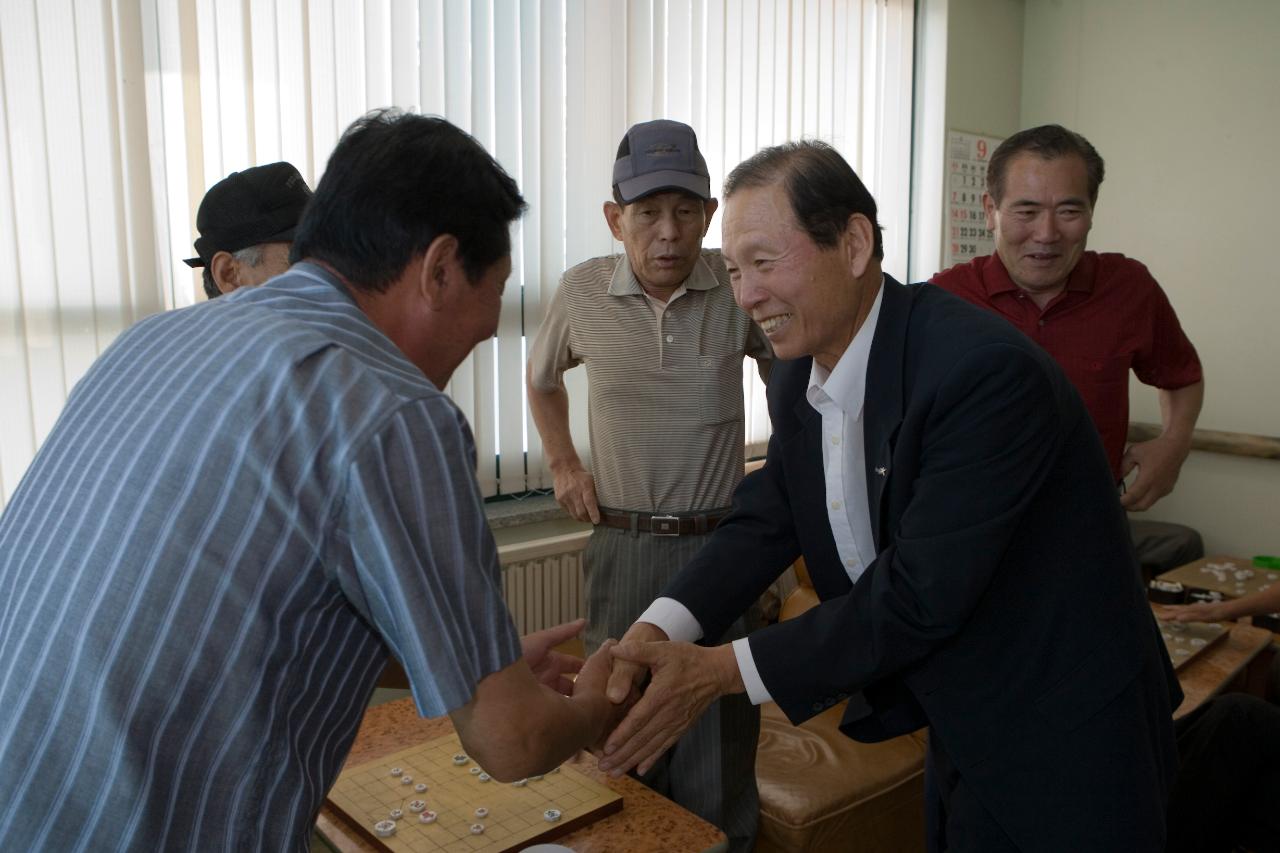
[
  {"x": 366, "y": 794},
  {"x": 1185, "y": 640},
  {"x": 1219, "y": 574}
]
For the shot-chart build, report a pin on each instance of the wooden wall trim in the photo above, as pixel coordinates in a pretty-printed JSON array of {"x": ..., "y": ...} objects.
[{"x": 1216, "y": 441}]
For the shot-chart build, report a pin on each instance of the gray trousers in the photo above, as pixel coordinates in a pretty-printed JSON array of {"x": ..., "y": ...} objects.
[{"x": 711, "y": 771}]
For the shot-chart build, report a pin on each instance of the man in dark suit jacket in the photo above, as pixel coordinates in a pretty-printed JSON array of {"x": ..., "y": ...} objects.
[{"x": 955, "y": 509}]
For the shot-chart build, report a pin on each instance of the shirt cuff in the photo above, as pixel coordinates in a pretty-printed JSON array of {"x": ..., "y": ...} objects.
[
  {"x": 674, "y": 618},
  {"x": 756, "y": 691}
]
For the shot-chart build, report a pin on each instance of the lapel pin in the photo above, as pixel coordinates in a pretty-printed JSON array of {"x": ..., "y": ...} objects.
[{"x": 882, "y": 471}]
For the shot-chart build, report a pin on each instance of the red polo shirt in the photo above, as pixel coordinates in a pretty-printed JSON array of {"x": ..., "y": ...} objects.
[{"x": 1111, "y": 316}]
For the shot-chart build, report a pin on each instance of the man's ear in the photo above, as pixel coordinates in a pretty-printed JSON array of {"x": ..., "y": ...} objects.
[
  {"x": 441, "y": 271},
  {"x": 613, "y": 217},
  {"x": 225, "y": 270},
  {"x": 989, "y": 208},
  {"x": 709, "y": 211},
  {"x": 860, "y": 243}
]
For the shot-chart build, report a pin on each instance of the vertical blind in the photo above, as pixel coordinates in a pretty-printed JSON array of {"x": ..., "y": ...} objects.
[{"x": 116, "y": 116}]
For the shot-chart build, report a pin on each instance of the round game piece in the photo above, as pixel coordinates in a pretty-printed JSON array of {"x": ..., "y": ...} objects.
[
  {"x": 477, "y": 829},
  {"x": 427, "y": 817},
  {"x": 551, "y": 815},
  {"x": 406, "y": 780},
  {"x": 385, "y": 828},
  {"x": 396, "y": 771},
  {"x": 1166, "y": 635},
  {"x": 555, "y": 770},
  {"x": 483, "y": 777},
  {"x": 520, "y": 783},
  {"x": 1198, "y": 641},
  {"x": 482, "y": 812},
  {"x": 421, "y": 787},
  {"x": 1182, "y": 651},
  {"x": 475, "y": 771},
  {"x": 537, "y": 778},
  {"x": 417, "y": 806},
  {"x": 460, "y": 759},
  {"x": 396, "y": 814}
]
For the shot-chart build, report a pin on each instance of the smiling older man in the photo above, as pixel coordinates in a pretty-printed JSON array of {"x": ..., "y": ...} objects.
[
  {"x": 1098, "y": 315},
  {"x": 954, "y": 507}
]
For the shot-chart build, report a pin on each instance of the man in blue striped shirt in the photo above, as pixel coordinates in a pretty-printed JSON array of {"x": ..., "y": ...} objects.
[{"x": 246, "y": 504}]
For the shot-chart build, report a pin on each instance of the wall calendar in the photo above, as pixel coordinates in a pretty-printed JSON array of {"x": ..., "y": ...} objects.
[{"x": 966, "y": 236}]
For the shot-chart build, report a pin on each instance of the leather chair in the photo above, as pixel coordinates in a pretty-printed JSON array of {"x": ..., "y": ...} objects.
[{"x": 822, "y": 791}]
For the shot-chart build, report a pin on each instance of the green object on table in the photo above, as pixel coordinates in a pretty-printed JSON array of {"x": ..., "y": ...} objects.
[{"x": 1264, "y": 561}]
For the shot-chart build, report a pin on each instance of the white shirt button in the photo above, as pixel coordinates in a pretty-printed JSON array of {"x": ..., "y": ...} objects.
[
  {"x": 851, "y": 562},
  {"x": 670, "y": 338},
  {"x": 835, "y": 439},
  {"x": 835, "y": 504}
]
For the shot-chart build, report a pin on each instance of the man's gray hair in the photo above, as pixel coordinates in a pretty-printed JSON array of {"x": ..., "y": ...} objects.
[{"x": 250, "y": 256}]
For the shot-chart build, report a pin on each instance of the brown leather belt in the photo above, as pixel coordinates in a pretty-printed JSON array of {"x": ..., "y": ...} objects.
[{"x": 658, "y": 524}]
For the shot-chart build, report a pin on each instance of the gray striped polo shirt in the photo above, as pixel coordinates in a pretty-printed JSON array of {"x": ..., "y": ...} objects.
[
  {"x": 664, "y": 397},
  {"x": 243, "y": 506}
]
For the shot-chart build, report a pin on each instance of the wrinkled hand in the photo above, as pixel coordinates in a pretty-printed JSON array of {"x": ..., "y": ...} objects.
[
  {"x": 1158, "y": 462},
  {"x": 550, "y": 667},
  {"x": 576, "y": 492},
  {"x": 592, "y": 680},
  {"x": 686, "y": 679},
  {"x": 626, "y": 677},
  {"x": 1201, "y": 611}
]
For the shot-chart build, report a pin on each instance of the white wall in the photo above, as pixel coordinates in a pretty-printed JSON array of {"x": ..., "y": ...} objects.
[{"x": 1182, "y": 99}]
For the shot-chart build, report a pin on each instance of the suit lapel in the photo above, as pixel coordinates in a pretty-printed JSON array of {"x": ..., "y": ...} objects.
[{"x": 882, "y": 410}]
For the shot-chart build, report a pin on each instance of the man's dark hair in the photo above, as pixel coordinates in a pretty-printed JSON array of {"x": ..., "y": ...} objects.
[
  {"x": 1048, "y": 142},
  {"x": 822, "y": 188},
  {"x": 395, "y": 182}
]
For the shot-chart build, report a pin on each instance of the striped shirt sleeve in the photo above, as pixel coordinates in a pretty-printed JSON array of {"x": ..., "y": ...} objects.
[{"x": 417, "y": 559}]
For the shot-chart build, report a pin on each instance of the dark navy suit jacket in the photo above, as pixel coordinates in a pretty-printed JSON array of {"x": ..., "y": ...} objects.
[{"x": 1004, "y": 608}]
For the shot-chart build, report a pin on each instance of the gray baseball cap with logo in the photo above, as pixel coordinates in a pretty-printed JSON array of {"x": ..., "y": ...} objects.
[{"x": 660, "y": 156}]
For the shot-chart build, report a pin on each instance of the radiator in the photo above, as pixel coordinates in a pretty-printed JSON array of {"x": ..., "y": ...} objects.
[{"x": 542, "y": 581}]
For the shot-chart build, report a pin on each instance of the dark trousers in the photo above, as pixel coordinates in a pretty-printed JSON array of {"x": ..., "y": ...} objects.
[
  {"x": 1162, "y": 546},
  {"x": 1227, "y": 792},
  {"x": 955, "y": 821}
]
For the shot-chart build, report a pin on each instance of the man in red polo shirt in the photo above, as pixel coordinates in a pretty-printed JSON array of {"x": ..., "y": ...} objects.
[{"x": 1098, "y": 315}]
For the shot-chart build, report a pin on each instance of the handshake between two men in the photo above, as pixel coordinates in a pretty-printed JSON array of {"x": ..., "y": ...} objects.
[{"x": 684, "y": 679}]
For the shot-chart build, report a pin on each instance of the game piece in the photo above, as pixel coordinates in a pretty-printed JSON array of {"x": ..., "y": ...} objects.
[
  {"x": 396, "y": 771},
  {"x": 483, "y": 777},
  {"x": 537, "y": 778},
  {"x": 551, "y": 815},
  {"x": 520, "y": 783},
  {"x": 460, "y": 759},
  {"x": 396, "y": 814},
  {"x": 476, "y": 771},
  {"x": 477, "y": 829},
  {"x": 482, "y": 812},
  {"x": 406, "y": 780},
  {"x": 427, "y": 817},
  {"x": 417, "y": 806},
  {"x": 385, "y": 828},
  {"x": 421, "y": 787}
]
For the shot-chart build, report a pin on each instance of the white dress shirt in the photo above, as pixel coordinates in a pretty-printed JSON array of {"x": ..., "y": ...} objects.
[{"x": 838, "y": 397}]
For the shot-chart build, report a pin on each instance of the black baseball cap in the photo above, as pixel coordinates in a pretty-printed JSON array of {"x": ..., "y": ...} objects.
[
  {"x": 262, "y": 204},
  {"x": 660, "y": 155}
]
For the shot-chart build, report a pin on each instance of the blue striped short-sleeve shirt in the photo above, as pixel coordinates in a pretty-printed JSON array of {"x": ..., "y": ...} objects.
[{"x": 244, "y": 505}]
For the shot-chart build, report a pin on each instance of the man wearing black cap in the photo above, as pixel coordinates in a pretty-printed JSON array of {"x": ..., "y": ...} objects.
[
  {"x": 663, "y": 342},
  {"x": 246, "y": 223}
]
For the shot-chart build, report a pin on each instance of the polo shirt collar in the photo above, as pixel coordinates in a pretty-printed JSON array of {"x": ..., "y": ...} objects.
[
  {"x": 624, "y": 283},
  {"x": 995, "y": 278},
  {"x": 846, "y": 384}
]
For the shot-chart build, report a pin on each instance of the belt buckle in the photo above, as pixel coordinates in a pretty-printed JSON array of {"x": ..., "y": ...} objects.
[{"x": 664, "y": 525}]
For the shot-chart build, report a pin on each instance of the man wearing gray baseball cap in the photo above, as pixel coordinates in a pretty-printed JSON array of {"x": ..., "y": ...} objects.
[
  {"x": 246, "y": 223},
  {"x": 663, "y": 342}
]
